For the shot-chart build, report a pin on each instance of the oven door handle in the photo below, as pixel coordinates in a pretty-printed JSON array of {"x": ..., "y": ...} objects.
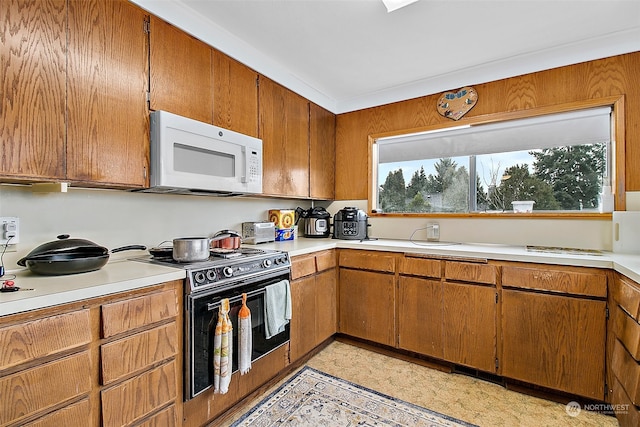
[{"x": 214, "y": 305}]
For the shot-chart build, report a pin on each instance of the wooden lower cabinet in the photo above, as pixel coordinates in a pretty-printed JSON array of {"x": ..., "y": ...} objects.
[
  {"x": 367, "y": 305},
  {"x": 420, "y": 320},
  {"x": 555, "y": 341},
  {"x": 108, "y": 361},
  {"x": 624, "y": 372},
  {"x": 314, "y": 300},
  {"x": 469, "y": 313}
]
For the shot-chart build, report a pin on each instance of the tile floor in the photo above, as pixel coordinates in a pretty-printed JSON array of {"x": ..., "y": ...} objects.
[{"x": 460, "y": 396}]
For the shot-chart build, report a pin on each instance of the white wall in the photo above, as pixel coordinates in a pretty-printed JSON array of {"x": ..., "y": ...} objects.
[
  {"x": 568, "y": 233},
  {"x": 115, "y": 218}
]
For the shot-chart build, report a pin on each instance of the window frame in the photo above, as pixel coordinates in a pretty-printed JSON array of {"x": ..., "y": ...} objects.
[{"x": 617, "y": 162}]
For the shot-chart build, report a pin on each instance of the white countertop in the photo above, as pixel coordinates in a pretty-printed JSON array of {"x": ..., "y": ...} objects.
[
  {"x": 117, "y": 276},
  {"x": 122, "y": 275}
]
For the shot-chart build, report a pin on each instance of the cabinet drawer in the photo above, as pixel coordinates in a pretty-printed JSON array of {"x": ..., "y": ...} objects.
[
  {"x": 470, "y": 272},
  {"x": 137, "y": 312},
  {"x": 325, "y": 260},
  {"x": 627, "y": 330},
  {"x": 129, "y": 355},
  {"x": 420, "y": 267},
  {"x": 627, "y": 414},
  {"x": 627, "y": 370},
  {"x": 42, "y": 337},
  {"x": 33, "y": 390},
  {"x": 67, "y": 416},
  {"x": 368, "y": 260},
  {"x": 627, "y": 293},
  {"x": 139, "y": 396},
  {"x": 303, "y": 265},
  {"x": 590, "y": 283},
  {"x": 166, "y": 417}
]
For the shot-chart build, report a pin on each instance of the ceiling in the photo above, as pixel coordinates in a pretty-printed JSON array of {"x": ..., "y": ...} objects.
[{"x": 347, "y": 55}]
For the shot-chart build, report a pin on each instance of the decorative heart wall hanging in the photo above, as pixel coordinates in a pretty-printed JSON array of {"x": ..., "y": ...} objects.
[{"x": 454, "y": 105}]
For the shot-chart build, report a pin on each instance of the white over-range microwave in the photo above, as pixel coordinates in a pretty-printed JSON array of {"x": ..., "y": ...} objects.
[{"x": 192, "y": 157}]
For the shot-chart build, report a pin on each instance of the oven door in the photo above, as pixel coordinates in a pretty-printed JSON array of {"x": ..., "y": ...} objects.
[{"x": 202, "y": 319}]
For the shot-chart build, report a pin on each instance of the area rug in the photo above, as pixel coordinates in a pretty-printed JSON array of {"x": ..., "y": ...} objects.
[{"x": 313, "y": 398}]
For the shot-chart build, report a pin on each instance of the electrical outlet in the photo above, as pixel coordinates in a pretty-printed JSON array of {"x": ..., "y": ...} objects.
[
  {"x": 433, "y": 231},
  {"x": 9, "y": 230}
]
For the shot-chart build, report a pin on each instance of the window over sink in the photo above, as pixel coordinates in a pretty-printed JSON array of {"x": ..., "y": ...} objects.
[{"x": 549, "y": 160}]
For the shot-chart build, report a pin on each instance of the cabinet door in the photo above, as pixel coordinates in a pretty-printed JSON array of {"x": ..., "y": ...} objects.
[
  {"x": 554, "y": 341},
  {"x": 108, "y": 119},
  {"x": 181, "y": 77},
  {"x": 470, "y": 331},
  {"x": 284, "y": 129},
  {"x": 322, "y": 153},
  {"x": 420, "y": 316},
  {"x": 303, "y": 319},
  {"x": 33, "y": 61},
  {"x": 326, "y": 302},
  {"x": 235, "y": 95},
  {"x": 367, "y": 305}
]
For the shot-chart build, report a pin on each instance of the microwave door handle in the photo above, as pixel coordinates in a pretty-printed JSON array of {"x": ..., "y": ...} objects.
[
  {"x": 245, "y": 161},
  {"x": 214, "y": 305}
]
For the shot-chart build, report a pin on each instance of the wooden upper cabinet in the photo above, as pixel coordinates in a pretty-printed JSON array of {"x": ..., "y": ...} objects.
[
  {"x": 322, "y": 153},
  {"x": 284, "y": 129},
  {"x": 33, "y": 60},
  {"x": 181, "y": 78},
  {"x": 108, "y": 119},
  {"x": 235, "y": 95}
]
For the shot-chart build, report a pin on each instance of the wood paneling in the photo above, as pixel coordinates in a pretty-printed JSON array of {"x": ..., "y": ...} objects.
[
  {"x": 322, "y": 153},
  {"x": 561, "y": 279},
  {"x": 33, "y": 86},
  {"x": 164, "y": 418},
  {"x": 627, "y": 414},
  {"x": 235, "y": 95},
  {"x": 181, "y": 77},
  {"x": 107, "y": 115},
  {"x": 554, "y": 341},
  {"x": 284, "y": 129},
  {"x": 28, "y": 341},
  {"x": 612, "y": 76},
  {"x": 44, "y": 386},
  {"x": 122, "y": 316}
]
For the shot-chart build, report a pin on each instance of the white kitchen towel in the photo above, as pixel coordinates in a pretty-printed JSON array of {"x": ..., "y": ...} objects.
[{"x": 277, "y": 307}]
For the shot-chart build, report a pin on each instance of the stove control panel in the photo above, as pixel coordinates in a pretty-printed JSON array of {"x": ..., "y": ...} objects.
[{"x": 236, "y": 270}]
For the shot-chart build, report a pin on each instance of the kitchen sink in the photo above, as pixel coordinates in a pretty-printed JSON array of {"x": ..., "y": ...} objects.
[{"x": 565, "y": 251}]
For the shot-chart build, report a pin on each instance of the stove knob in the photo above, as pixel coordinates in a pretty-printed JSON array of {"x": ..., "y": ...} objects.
[
  {"x": 227, "y": 271},
  {"x": 266, "y": 263},
  {"x": 211, "y": 275},
  {"x": 199, "y": 277}
]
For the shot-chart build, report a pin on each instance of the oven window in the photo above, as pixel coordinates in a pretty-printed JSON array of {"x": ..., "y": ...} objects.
[{"x": 204, "y": 325}]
